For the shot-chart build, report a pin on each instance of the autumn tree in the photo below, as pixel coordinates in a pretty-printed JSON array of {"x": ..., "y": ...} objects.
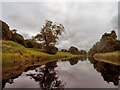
[{"x": 49, "y": 34}]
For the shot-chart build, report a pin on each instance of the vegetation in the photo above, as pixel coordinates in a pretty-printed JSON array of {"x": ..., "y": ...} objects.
[
  {"x": 49, "y": 35},
  {"x": 30, "y": 43},
  {"x": 75, "y": 50},
  {"x": 20, "y": 55},
  {"x": 7, "y": 34},
  {"x": 111, "y": 57},
  {"x": 108, "y": 43},
  {"x": 17, "y": 58}
]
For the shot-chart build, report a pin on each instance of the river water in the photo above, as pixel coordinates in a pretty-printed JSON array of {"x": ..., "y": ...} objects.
[{"x": 68, "y": 74}]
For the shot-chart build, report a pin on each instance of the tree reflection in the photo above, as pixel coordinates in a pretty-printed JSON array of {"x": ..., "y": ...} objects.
[
  {"x": 109, "y": 72},
  {"x": 74, "y": 61},
  {"x": 47, "y": 77}
]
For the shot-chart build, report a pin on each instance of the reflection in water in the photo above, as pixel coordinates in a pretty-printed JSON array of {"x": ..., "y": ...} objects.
[
  {"x": 75, "y": 60},
  {"x": 51, "y": 74},
  {"x": 10, "y": 81},
  {"x": 47, "y": 77},
  {"x": 109, "y": 72}
]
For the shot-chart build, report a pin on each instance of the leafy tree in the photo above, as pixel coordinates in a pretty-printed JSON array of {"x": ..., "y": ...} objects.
[
  {"x": 82, "y": 52},
  {"x": 49, "y": 35},
  {"x": 107, "y": 43},
  {"x": 73, "y": 50},
  {"x": 30, "y": 43}
]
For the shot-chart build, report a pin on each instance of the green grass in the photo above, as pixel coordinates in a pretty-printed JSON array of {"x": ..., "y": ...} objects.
[
  {"x": 111, "y": 57},
  {"x": 16, "y": 58}
]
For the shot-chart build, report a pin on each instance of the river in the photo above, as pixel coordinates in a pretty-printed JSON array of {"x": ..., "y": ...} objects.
[{"x": 82, "y": 73}]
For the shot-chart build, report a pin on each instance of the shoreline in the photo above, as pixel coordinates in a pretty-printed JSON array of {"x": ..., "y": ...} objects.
[{"x": 110, "y": 57}]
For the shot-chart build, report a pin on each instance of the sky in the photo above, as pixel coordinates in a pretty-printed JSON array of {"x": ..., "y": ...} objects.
[{"x": 84, "y": 22}]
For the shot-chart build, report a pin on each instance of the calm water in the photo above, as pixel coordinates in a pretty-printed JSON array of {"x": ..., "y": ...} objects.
[{"x": 69, "y": 74}]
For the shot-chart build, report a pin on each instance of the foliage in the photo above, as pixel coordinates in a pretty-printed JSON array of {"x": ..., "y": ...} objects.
[
  {"x": 64, "y": 50},
  {"x": 110, "y": 57},
  {"x": 107, "y": 43},
  {"x": 49, "y": 35},
  {"x": 30, "y": 43},
  {"x": 13, "y": 60},
  {"x": 73, "y": 50},
  {"x": 18, "y": 38},
  {"x": 6, "y": 33},
  {"x": 52, "y": 50},
  {"x": 82, "y": 52}
]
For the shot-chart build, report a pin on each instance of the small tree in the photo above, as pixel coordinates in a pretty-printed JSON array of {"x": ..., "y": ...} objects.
[
  {"x": 49, "y": 35},
  {"x": 73, "y": 50}
]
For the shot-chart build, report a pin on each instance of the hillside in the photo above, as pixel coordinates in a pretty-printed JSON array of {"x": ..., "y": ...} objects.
[{"x": 17, "y": 58}]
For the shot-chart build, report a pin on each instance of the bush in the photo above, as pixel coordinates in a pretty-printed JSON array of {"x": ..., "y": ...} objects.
[
  {"x": 51, "y": 50},
  {"x": 73, "y": 50},
  {"x": 18, "y": 38}
]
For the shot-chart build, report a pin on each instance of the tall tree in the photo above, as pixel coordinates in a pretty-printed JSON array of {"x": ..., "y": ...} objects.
[{"x": 49, "y": 35}]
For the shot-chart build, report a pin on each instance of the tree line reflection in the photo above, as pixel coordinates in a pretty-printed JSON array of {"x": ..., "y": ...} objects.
[
  {"x": 109, "y": 72},
  {"x": 47, "y": 77}
]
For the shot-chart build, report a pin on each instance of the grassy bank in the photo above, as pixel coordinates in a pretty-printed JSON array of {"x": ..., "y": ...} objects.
[
  {"x": 16, "y": 58},
  {"x": 111, "y": 57}
]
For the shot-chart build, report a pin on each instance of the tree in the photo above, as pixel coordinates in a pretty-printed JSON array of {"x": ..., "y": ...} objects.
[
  {"x": 49, "y": 35},
  {"x": 107, "y": 43},
  {"x": 73, "y": 50},
  {"x": 32, "y": 44},
  {"x": 5, "y": 31},
  {"x": 82, "y": 52}
]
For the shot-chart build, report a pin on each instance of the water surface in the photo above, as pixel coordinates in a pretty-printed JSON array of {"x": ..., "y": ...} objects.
[{"x": 68, "y": 74}]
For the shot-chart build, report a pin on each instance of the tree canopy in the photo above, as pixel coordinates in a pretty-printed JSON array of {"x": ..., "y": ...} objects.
[
  {"x": 107, "y": 43},
  {"x": 49, "y": 34}
]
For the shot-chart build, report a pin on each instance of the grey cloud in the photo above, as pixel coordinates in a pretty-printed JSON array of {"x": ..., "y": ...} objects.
[
  {"x": 84, "y": 22},
  {"x": 26, "y": 35}
]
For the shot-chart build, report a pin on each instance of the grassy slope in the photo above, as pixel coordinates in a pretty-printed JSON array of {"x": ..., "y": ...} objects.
[
  {"x": 16, "y": 58},
  {"x": 111, "y": 57}
]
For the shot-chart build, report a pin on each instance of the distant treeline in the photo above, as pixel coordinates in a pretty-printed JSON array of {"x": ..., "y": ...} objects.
[
  {"x": 75, "y": 50},
  {"x": 108, "y": 43}
]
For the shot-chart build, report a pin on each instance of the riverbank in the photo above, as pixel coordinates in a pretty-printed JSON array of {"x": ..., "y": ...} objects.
[
  {"x": 16, "y": 58},
  {"x": 111, "y": 57}
]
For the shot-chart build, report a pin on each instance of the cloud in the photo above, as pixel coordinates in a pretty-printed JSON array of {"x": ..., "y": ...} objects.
[{"x": 84, "y": 22}]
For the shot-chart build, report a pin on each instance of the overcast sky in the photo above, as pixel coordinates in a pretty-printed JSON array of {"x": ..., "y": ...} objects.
[{"x": 84, "y": 22}]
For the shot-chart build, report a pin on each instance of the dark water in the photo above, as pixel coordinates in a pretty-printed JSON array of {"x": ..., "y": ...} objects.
[{"x": 69, "y": 74}]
